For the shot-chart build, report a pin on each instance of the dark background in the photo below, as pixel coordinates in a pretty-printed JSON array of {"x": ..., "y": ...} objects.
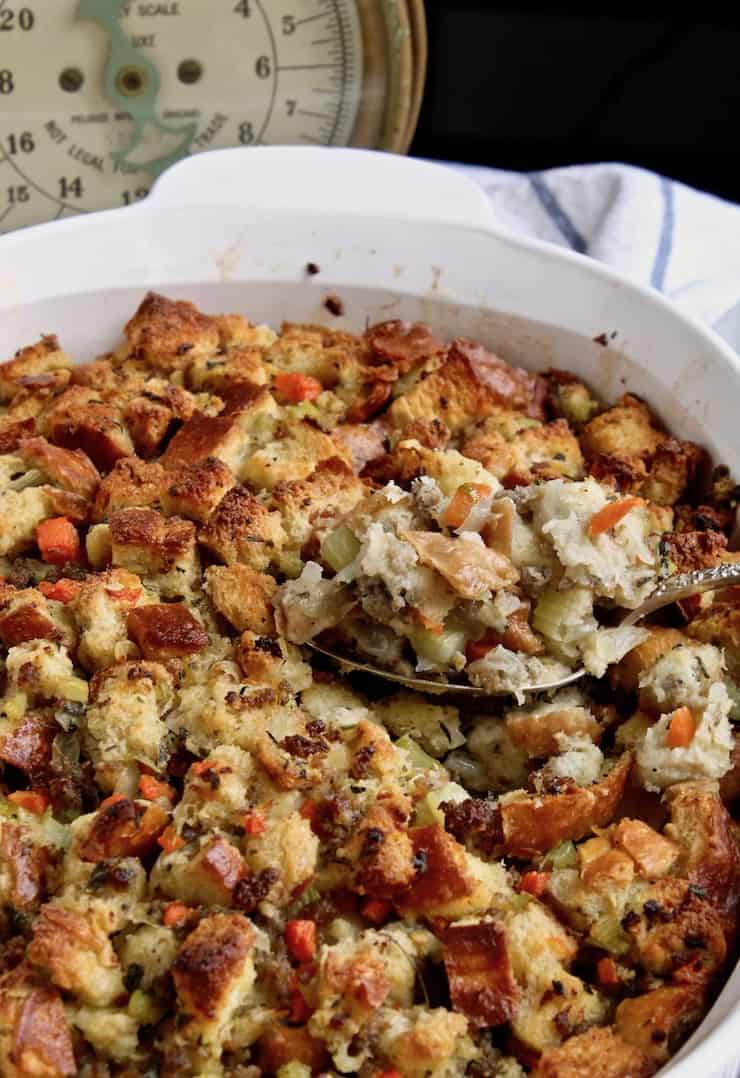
[{"x": 529, "y": 86}]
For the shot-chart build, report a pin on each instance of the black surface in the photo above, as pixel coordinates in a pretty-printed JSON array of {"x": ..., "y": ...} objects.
[{"x": 529, "y": 87}]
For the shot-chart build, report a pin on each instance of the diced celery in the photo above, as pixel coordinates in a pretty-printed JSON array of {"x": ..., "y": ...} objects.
[
  {"x": 562, "y": 856},
  {"x": 14, "y": 707},
  {"x": 558, "y": 612},
  {"x": 428, "y": 810},
  {"x": 144, "y": 1009},
  {"x": 294, "y": 1070},
  {"x": 290, "y": 564},
  {"x": 436, "y": 648},
  {"x": 31, "y": 478},
  {"x": 340, "y": 547},
  {"x": 416, "y": 754},
  {"x": 608, "y": 934},
  {"x": 74, "y": 689}
]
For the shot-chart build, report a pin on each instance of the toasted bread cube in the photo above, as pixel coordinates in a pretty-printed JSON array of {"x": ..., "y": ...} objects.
[
  {"x": 241, "y": 365},
  {"x": 77, "y": 955},
  {"x": 79, "y": 419},
  {"x": 653, "y": 854},
  {"x": 100, "y": 610},
  {"x": 482, "y": 982},
  {"x": 13, "y": 432},
  {"x": 444, "y": 876},
  {"x": 686, "y": 931},
  {"x": 229, "y": 437},
  {"x": 70, "y": 469},
  {"x": 243, "y": 596},
  {"x": 426, "y": 1041},
  {"x": 628, "y": 429},
  {"x": 166, "y": 631},
  {"x": 168, "y": 334},
  {"x": 293, "y": 455},
  {"x": 242, "y": 530},
  {"x": 123, "y": 828},
  {"x": 27, "y": 615},
  {"x": 627, "y": 672},
  {"x": 598, "y": 1053},
  {"x": 150, "y": 416},
  {"x": 311, "y": 507},
  {"x": 35, "y": 1039},
  {"x": 673, "y": 468},
  {"x": 535, "y": 730},
  {"x": 382, "y": 853},
  {"x": 206, "y": 879},
  {"x": 132, "y": 483},
  {"x": 30, "y": 365},
  {"x": 213, "y": 972},
  {"x": 286, "y": 856},
  {"x": 271, "y": 660},
  {"x": 195, "y": 490},
  {"x": 533, "y": 824},
  {"x": 23, "y": 867},
  {"x": 21, "y": 511},
  {"x": 26, "y": 742},
  {"x": 658, "y": 1021},
  {"x": 146, "y": 543},
  {"x": 704, "y": 831},
  {"x": 719, "y": 624},
  {"x": 123, "y": 719}
]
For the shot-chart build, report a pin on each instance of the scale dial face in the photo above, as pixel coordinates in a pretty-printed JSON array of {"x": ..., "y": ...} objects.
[{"x": 98, "y": 97}]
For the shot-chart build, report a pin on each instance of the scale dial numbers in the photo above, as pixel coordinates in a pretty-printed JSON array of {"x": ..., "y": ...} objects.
[{"x": 75, "y": 133}]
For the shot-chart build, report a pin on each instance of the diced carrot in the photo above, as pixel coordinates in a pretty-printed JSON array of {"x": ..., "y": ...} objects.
[
  {"x": 254, "y": 823},
  {"x": 461, "y": 503},
  {"x": 30, "y": 801},
  {"x": 681, "y": 728},
  {"x": 58, "y": 541},
  {"x": 202, "y": 765},
  {"x": 296, "y": 387},
  {"x": 611, "y": 515},
  {"x": 534, "y": 883},
  {"x": 300, "y": 939},
  {"x": 152, "y": 788},
  {"x": 309, "y": 810},
  {"x": 124, "y": 595},
  {"x": 478, "y": 649},
  {"x": 299, "y": 1009},
  {"x": 176, "y": 913},
  {"x": 111, "y": 800},
  {"x": 606, "y": 972},
  {"x": 170, "y": 841},
  {"x": 376, "y": 910},
  {"x": 427, "y": 623},
  {"x": 63, "y": 591}
]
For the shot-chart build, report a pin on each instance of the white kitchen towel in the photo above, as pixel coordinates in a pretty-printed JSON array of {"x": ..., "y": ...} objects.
[{"x": 662, "y": 233}]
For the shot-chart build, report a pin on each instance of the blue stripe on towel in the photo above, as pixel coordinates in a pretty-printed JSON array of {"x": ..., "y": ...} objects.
[
  {"x": 557, "y": 214},
  {"x": 665, "y": 242}
]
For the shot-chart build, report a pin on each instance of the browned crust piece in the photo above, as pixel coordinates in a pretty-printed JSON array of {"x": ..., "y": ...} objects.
[
  {"x": 480, "y": 975},
  {"x": 210, "y": 959},
  {"x": 30, "y": 367},
  {"x": 195, "y": 490},
  {"x": 598, "y": 1053},
  {"x": 33, "y": 1029},
  {"x": 131, "y": 483},
  {"x": 70, "y": 469},
  {"x": 536, "y": 823},
  {"x": 168, "y": 333},
  {"x": 705, "y": 832},
  {"x": 166, "y": 631},
  {"x": 123, "y": 828},
  {"x": 659, "y": 1021},
  {"x": 242, "y": 596},
  {"x": 79, "y": 419}
]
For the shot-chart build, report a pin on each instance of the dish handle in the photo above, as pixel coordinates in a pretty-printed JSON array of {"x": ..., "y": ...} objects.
[{"x": 331, "y": 179}]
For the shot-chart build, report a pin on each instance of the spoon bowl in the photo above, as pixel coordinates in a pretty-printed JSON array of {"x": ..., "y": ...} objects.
[{"x": 671, "y": 590}]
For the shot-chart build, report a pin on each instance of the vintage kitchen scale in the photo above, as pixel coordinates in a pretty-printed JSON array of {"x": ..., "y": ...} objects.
[{"x": 99, "y": 97}]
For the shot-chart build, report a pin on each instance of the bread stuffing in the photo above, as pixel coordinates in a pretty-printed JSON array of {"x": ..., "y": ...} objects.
[{"x": 219, "y": 856}]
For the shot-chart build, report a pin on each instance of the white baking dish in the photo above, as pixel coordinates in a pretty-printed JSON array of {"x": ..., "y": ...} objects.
[{"x": 234, "y": 230}]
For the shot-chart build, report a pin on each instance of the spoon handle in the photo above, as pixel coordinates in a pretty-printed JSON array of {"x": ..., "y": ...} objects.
[{"x": 684, "y": 585}]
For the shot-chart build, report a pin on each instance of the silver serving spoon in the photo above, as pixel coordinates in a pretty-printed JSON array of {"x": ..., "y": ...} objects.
[{"x": 671, "y": 590}]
